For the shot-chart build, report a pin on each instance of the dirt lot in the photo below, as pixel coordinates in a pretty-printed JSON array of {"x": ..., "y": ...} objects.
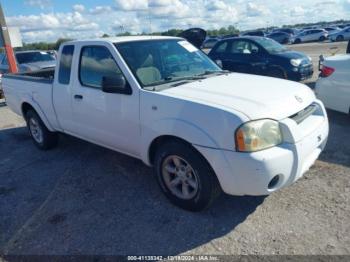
[{"x": 84, "y": 199}]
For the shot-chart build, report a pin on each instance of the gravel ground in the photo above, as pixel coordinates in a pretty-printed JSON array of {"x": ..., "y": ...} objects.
[{"x": 83, "y": 199}]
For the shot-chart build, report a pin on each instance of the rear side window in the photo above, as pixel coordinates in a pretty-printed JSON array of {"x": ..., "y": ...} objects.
[
  {"x": 66, "y": 65},
  {"x": 96, "y": 62}
]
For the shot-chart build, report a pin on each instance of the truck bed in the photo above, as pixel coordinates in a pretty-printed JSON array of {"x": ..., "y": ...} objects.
[
  {"x": 35, "y": 87},
  {"x": 44, "y": 75}
]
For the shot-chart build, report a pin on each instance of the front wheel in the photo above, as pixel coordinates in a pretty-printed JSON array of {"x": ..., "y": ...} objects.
[
  {"x": 185, "y": 177},
  {"x": 340, "y": 38},
  {"x": 277, "y": 73},
  {"x": 42, "y": 137}
]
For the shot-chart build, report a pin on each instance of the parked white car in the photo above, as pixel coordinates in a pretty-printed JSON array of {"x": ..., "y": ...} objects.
[
  {"x": 333, "y": 86},
  {"x": 311, "y": 35},
  {"x": 162, "y": 100},
  {"x": 341, "y": 35}
]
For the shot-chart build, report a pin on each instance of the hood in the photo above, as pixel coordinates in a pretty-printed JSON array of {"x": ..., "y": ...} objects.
[
  {"x": 39, "y": 65},
  {"x": 292, "y": 55},
  {"x": 254, "y": 96}
]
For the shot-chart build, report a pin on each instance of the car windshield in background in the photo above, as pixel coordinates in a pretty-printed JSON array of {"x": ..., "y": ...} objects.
[
  {"x": 158, "y": 62},
  {"x": 270, "y": 45},
  {"x": 34, "y": 57}
]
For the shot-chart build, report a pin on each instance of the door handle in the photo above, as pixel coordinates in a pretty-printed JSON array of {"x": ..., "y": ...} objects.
[{"x": 78, "y": 97}]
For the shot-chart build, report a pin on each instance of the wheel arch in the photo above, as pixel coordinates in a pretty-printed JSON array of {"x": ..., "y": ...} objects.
[
  {"x": 26, "y": 106},
  {"x": 166, "y": 130},
  {"x": 278, "y": 67},
  {"x": 161, "y": 140}
]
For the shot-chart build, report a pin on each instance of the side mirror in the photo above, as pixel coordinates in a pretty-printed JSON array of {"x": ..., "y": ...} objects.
[
  {"x": 116, "y": 85},
  {"x": 219, "y": 63}
]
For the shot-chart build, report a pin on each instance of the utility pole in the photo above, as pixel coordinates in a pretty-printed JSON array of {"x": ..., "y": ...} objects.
[{"x": 5, "y": 40}]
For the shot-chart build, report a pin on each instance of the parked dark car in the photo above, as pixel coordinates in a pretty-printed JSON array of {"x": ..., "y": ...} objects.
[
  {"x": 290, "y": 31},
  {"x": 281, "y": 37},
  {"x": 254, "y": 33},
  {"x": 261, "y": 56}
]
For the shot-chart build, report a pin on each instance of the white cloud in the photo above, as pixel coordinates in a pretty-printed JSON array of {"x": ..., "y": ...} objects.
[
  {"x": 216, "y": 5},
  {"x": 38, "y": 3},
  {"x": 79, "y": 8},
  {"x": 254, "y": 9},
  {"x": 100, "y": 10},
  {"x": 137, "y": 16},
  {"x": 297, "y": 11},
  {"x": 131, "y": 5}
]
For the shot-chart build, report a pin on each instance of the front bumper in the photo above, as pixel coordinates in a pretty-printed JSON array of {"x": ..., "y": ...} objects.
[
  {"x": 302, "y": 73},
  {"x": 251, "y": 173}
]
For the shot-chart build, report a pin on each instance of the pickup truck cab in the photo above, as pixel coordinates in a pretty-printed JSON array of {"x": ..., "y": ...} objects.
[{"x": 162, "y": 100}]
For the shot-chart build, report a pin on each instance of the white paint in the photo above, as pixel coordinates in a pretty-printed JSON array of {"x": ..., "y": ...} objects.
[
  {"x": 15, "y": 37},
  {"x": 334, "y": 90}
]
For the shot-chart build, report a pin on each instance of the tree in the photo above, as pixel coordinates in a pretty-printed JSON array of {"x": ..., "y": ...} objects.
[{"x": 61, "y": 41}]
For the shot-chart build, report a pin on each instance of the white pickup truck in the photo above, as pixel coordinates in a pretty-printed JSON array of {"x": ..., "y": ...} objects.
[{"x": 165, "y": 102}]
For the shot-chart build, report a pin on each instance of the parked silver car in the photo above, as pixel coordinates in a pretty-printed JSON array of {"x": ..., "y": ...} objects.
[
  {"x": 311, "y": 35},
  {"x": 341, "y": 35},
  {"x": 29, "y": 61}
]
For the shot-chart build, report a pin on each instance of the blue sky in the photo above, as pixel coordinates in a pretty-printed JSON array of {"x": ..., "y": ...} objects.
[{"x": 47, "y": 20}]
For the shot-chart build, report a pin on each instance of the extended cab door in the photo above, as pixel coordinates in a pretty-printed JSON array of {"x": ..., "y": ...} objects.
[
  {"x": 62, "y": 89},
  {"x": 108, "y": 119}
]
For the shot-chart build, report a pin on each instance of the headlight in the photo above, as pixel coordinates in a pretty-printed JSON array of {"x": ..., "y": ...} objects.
[
  {"x": 258, "y": 135},
  {"x": 296, "y": 62}
]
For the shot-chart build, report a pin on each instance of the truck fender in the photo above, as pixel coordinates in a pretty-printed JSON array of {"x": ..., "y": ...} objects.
[
  {"x": 175, "y": 128},
  {"x": 30, "y": 101}
]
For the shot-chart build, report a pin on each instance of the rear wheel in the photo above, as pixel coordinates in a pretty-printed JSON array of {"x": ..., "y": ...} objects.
[
  {"x": 322, "y": 38},
  {"x": 185, "y": 177},
  {"x": 42, "y": 137},
  {"x": 340, "y": 38}
]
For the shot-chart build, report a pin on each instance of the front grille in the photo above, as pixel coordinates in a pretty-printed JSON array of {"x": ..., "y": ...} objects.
[{"x": 305, "y": 113}]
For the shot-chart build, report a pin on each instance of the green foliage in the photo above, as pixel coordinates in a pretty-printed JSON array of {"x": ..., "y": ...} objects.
[
  {"x": 124, "y": 34},
  {"x": 43, "y": 45}
]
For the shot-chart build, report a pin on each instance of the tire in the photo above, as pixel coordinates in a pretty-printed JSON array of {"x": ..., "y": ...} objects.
[
  {"x": 277, "y": 73},
  {"x": 322, "y": 38},
  {"x": 297, "y": 41},
  {"x": 340, "y": 38},
  {"x": 178, "y": 166},
  {"x": 41, "y": 136}
]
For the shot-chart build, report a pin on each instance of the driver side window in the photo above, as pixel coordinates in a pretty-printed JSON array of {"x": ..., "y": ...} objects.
[{"x": 96, "y": 62}]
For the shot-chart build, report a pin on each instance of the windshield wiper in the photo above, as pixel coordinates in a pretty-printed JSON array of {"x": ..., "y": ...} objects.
[{"x": 214, "y": 73}]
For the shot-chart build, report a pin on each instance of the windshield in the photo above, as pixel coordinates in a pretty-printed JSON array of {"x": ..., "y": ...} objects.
[
  {"x": 158, "y": 62},
  {"x": 34, "y": 57},
  {"x": 270, "y": 45}
]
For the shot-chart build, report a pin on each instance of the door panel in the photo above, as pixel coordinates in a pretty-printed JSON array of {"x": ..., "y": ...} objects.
[
  {"x": 244, "y": 57},
  {"x": 104, "y": 118}
]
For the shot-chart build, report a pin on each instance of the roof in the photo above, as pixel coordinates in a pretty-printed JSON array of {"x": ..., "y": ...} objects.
[
  {"x": 249, "y": 37},
  {"x": 122, "y": 39}
]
